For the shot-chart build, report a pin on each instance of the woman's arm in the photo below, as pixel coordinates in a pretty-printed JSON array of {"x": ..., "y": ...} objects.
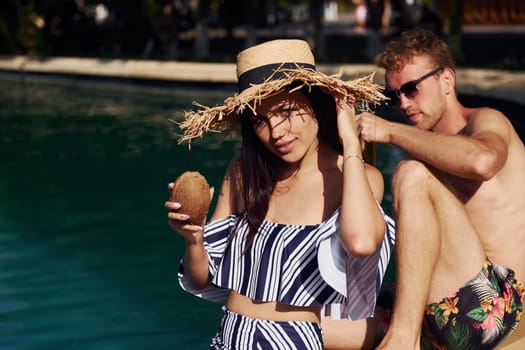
[
  {"x": 362, "y": 223},
  {"x": 196, "y": 257}
]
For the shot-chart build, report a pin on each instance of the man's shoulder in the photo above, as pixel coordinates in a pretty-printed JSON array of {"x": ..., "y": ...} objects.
[
  {"x": 482, "y": 114},
  {"x": 489, "y": 119}
]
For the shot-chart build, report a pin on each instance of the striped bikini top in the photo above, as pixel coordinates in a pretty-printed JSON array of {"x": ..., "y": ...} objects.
[{"x": 280, "y": 265}]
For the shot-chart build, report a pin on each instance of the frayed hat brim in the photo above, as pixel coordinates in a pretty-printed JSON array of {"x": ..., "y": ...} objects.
[{"x": 206, "y": 119}]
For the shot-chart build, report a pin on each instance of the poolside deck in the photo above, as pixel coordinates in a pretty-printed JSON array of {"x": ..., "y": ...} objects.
[{"x": 504, "y": 85}]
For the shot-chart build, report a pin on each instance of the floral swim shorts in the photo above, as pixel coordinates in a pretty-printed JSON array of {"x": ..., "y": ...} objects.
[{"x": 479, "y": 315}]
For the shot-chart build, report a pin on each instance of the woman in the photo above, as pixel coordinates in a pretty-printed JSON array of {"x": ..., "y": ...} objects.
[{"x": 299, "y": 181}]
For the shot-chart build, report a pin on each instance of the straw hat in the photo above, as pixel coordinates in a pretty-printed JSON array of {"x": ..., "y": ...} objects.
[{"x": 265, "y": 69}]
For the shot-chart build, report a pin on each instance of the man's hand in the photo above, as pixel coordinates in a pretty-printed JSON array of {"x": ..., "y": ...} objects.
[{"x": 372, "y": 128}]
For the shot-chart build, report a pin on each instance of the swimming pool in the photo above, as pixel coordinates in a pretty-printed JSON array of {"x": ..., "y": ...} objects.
[{"x": 87, "y": 260}]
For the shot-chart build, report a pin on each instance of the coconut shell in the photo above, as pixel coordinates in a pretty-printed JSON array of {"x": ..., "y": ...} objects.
[{"x": 192, "y": 191}]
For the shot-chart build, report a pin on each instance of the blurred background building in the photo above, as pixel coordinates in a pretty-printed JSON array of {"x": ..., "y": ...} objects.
[{"x": 481, "y": 32}]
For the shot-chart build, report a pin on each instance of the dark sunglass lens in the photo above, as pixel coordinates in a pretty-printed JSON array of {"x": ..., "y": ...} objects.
[{"x": 409, "y": 89}]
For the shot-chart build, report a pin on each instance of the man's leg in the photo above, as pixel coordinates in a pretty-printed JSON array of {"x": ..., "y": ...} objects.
[{"x": 437, "y": 249}]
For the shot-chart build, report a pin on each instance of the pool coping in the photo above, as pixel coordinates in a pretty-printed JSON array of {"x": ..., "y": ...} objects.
[{"x": 491, "y": 83}]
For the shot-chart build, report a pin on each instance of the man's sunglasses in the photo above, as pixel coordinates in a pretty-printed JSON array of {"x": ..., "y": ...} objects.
[{"x": 409, "y": 89}]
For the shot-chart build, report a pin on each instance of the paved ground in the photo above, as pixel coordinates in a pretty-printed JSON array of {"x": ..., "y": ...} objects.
[{"x": 504, "y": 85}]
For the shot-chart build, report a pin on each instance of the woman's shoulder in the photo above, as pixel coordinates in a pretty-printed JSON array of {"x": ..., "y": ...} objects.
[
  {"x": 376, "y": 181},
  {"x": 372, "y": 170}
]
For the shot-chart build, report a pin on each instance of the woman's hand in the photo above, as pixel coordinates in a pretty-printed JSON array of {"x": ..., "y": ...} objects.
[
  {"x": 347, "y": 127},
  {"x": 177, "y": 220},
  {"x": 196, "y": 258}
]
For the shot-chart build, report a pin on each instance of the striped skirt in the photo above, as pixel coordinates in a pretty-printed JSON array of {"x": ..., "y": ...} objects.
[{"x": 238, "y": 332}]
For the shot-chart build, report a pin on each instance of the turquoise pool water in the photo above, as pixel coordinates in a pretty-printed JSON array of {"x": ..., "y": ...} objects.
[{"x": 87, "y": 260}]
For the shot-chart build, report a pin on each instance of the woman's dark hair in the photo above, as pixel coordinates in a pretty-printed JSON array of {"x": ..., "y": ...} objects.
[{"x": 259, "y": 167}]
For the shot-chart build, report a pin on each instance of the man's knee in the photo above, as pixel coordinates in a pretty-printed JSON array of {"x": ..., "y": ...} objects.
[
  {"x": 410, "y": 174},
  {"x": 412, "y": 178}
]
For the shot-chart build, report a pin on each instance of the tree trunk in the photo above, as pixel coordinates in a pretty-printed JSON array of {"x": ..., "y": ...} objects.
[
  {"x": 250, "y": 9},
  {"x": 456, "y": 31},
  {"x": 202, "y": 44},
  {"x": 316, "y": 19}
]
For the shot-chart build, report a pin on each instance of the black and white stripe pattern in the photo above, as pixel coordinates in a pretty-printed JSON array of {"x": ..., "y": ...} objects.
[
  {"x": 238, "y": 332},
  {"x": 358, "y": 278},
  {"x": 361, "y": 290},
  {"x": 280, "y": 265},
  {"x": 283, "y": 265}
]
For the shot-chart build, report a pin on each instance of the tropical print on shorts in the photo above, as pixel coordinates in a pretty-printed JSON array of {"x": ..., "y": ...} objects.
[{"x": 479, "y": 315}]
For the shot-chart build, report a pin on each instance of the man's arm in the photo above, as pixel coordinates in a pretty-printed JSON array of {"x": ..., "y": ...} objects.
[{"x": 478, "y": 152}]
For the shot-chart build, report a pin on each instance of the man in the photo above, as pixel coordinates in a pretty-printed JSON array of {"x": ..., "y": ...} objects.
[{"x": 459, "y": 203}]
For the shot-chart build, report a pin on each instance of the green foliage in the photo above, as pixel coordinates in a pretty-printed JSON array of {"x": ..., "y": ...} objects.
[
  {"x": 478, "y": 314},
  {"x": 459, "y": 334}
]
